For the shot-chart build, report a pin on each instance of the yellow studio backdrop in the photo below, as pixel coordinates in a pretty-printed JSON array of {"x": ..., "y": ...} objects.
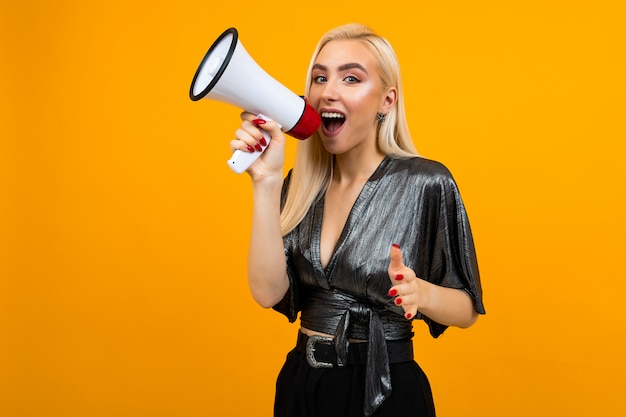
[{"x": 124, "y": 234}]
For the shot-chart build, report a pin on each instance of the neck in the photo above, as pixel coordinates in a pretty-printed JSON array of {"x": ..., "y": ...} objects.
[{"x": 356, "y": 166}]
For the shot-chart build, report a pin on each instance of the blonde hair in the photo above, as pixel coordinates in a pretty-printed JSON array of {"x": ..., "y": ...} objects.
[{"x": 312, "y": 170}]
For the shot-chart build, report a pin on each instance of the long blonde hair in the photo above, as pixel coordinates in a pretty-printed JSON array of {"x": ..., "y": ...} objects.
[{"x": 312, "y": 170}]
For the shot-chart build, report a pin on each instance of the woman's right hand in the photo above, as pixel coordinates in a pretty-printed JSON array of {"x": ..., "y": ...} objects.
[{"x": 249, "y": 138}]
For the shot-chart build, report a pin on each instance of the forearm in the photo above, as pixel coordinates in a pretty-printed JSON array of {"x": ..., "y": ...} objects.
[
  {"x": 447, "y": 306},
  {"x": 267, "y": 268}
]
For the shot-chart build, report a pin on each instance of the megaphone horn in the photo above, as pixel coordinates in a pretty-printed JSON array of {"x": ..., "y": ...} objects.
[{"x": 228, "y": 74}]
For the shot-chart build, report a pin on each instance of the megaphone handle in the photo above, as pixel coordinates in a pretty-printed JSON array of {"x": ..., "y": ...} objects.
[{"x": 240, "y": 160}]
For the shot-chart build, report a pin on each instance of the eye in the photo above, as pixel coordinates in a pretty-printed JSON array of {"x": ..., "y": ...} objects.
[
  {"x": 319, "y": 79},
  {"x": 351, "y": 79}
]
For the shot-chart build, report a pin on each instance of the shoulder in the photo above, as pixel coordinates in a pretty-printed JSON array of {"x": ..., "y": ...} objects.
[{"x": 422, "y": 169}]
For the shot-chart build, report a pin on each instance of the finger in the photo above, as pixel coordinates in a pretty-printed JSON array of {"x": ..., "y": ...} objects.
[
  {"x": 239, "y": 145},
  {"x": 266, "y": 124},
  {"x": 404, "y": 289},
  {"x": 272, "y": 128},
  {"x": 247, "y": 116},
  {"x": 250, "y": 136},
  {"x": 410, "y": 314},
  {"x": 395, "y": 254},
  {"x": 405, "y": 300},
  {"x": 397, "y": 270},
  {"x": 408, "y": 302}
]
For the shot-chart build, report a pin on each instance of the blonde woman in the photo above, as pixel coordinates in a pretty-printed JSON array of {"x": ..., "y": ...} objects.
[{"x": 362, "y": 238}]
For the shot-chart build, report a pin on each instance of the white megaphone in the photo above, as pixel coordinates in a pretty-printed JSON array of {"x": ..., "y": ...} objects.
[{"x": 228, "y": 74}]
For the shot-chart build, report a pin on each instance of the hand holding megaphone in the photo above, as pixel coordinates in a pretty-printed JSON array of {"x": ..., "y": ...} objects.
[
  {"x": 228, "y": 74},
  {"x": 241, "y": 160}
]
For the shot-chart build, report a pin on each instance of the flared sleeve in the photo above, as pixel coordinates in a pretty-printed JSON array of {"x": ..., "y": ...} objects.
[{"x": 452, "y": 261}]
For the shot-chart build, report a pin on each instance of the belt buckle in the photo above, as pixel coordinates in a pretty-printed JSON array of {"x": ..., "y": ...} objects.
[{"x": 310, "y": 351}]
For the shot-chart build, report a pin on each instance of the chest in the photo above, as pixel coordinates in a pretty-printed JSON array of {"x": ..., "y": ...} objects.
[{"x": 338, "y": 204}]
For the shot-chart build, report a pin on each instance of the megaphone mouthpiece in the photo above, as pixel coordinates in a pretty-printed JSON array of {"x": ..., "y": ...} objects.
[{"x": 309, "y": 121}]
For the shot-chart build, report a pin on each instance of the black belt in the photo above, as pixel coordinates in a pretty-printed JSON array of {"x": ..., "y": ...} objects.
[{"x": 320, "y": 351}]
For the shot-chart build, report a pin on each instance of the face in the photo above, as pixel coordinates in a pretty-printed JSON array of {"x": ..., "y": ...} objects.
[{"x": 347, "y": 91}]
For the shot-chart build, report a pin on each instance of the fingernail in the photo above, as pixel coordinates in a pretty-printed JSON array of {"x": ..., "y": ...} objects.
[
  {"x": 393, "y": 292},
  {"x": 395, "y": 245},
  {"x": 399, "y": 277},
  {"x": 398, "y": 301},
  {"x": 258, "y": 121},
  {"x": 250, "y": 148},
  {"x": 263, "y": 142},
  {"x": 408, "y": 315},
  {"x": 258, "y": 147}
]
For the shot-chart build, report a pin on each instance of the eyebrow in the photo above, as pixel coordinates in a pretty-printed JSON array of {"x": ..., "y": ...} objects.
[{"x": 343, "y": 67}]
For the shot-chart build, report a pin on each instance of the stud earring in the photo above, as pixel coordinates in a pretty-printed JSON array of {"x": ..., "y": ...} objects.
[{"x": 380, "y": 117}]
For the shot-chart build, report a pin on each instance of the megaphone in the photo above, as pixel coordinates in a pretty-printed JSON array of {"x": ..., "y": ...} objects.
[{"x": 228, "y": 74}]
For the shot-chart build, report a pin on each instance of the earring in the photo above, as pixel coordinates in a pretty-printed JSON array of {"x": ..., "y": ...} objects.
[{"x": 380, "y": 117}]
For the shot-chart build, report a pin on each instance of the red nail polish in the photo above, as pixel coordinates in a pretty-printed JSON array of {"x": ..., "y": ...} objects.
[
  {"x": 258, "y": 122},
  {"x": 395, "y": 245},
  {"x": 263, "y": 142},
  {"x": 250, "y": 148},
  {"x": 399, "y": 277},
  {"x": 398, "y": 301},
  {"x": 408, "y": 315},
  {"x": 258, "y": 147},
  {"x": 393, "y": 292}
]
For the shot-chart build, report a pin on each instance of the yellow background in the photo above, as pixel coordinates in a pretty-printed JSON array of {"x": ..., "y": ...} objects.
[{"x": 124, "y": 234}]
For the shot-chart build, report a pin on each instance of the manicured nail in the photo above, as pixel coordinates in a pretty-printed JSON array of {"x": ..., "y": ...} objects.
[
  {"x": 258, "y": 122},
  {"x": 263, "y": 142},
  {"x": 408, "y": 315},
  {"x": 258, "y": 147},
  {"x": 395, "y": 245},
  {"x": 398, "y": 301},
  {"x": 393, "y": 292},
  {"x": 250, "y": 148},
  {"x": 399, "y": 277}
]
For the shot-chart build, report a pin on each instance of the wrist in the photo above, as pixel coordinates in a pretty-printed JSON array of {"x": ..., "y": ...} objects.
[
  {"x": 267, "y": 181},
  {"x": 267, "y": 190}
]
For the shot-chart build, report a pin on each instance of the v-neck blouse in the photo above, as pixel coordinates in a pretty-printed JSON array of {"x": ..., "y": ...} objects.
[{"x": 414, "y": 202}]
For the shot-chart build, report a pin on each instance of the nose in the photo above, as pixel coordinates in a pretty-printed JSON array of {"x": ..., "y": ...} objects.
[{"x": 329, "y": 91}]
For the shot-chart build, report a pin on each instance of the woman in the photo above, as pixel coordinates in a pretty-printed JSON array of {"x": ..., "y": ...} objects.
[{"x": 361, "y": 238}]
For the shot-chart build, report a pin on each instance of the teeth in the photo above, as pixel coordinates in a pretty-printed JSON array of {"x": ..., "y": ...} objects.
[{"x": 329, "y": 115}]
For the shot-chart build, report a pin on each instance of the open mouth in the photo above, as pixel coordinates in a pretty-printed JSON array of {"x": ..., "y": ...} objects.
[{"x": 332, "y": 121}]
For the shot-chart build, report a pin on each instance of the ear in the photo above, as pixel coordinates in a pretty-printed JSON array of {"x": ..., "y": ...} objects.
[{"x": 389, "y": 100}]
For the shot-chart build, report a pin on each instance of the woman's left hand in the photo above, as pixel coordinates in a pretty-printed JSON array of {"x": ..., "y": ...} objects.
[{"x": 406, "y": 289}]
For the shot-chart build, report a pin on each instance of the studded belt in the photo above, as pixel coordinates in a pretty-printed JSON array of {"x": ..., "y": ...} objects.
[{"x": 320, "y": 351}]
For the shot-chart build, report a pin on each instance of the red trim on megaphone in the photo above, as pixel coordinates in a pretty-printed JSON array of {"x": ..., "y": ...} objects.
[{"x": 308, "y": 123}]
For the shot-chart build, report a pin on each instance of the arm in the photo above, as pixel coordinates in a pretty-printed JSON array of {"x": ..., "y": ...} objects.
[
  {"x": 267, "y": 269},
  {"x": 448, "y": 306}
]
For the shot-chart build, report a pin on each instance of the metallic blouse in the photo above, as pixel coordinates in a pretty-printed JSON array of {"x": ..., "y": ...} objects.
[{"x": 410, "y": 201}]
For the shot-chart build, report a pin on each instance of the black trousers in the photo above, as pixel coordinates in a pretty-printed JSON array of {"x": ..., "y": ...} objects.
[{"x": 302, "y": 391}]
